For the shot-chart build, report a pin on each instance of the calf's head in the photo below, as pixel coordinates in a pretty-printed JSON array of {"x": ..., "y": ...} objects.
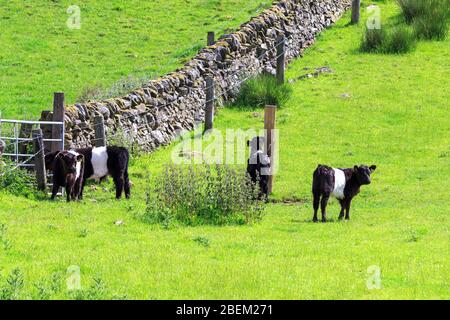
[
  {"x": 49, "y": 159},
  {"x": 363, "y": 173},
  {"x": 257, "y": 153},
  {"x": 256, "y": 144},
  {"x": 69, "y": 161}
]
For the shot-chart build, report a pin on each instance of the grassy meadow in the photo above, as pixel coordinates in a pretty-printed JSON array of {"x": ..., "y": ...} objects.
[
  {"x": 40, "y": 54},
  {"x": 388, "y": 110}
]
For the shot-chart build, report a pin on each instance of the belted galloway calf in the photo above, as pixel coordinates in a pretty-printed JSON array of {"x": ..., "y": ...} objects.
[
  {"x": 101, "y": 162},
  {"x": 342, "y": 184},
  {"x": 258, "y": 166},
  {"x": 68, "y": 171}
]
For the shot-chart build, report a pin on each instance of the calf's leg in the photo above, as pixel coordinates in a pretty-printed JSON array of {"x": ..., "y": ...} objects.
[
  {"x": 324, "y": 203},
  {"x": 83, "y": 183},
  {"x": 341, "y": 215},
  {"x": 55, "y": 189},
  {"x": 316, "y": 206},
  {"x": 79, "y": 188},
  {"x": 347, "y": 209},
  {"x": 264, "y": 188},
  {"x": 126, "y": 185},
  {"x": 119, "y": 182},
  {"x": 69, "y": 189}
]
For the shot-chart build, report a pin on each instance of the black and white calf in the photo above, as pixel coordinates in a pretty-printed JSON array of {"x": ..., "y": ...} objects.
[
  {"x": 101, "y": 162},
  {"x": 258, "y": 166},
  {"x": 68, "y": 171},
  {"x": 342, "y": 184}
]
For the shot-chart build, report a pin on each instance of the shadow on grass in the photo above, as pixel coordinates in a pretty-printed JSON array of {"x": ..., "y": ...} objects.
[{"x": 310, "y": 221}]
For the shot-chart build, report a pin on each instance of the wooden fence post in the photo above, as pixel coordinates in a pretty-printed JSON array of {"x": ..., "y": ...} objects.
[
  {"x": 281, "y": 58},
  {"x": 99, "y": 128},
  {"x": 39, "y": 159},
  {"x": 24, "y": 132},
  {"x": 270, "y": 143},
  {"x": 259, "y": 52},
  {"x": 58, "y": 116},
  {"x": 211, "y": 38},
  {"x": 356, "y": 6},
  {"x": 209, "y": 107},
  {"x": 47, "y": 129}
]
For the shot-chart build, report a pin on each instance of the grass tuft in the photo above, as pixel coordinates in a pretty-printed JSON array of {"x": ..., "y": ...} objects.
[
  {"x": 433, "y": 25},
  {"x": 261, "y": 91},
  {"x": 373, "y": 40},
  {"x": 428, "y": 17},
  {"x": 395, "y": 41},
  {"x": 412, "y": 8},
  {"x": 400, "y": 40},
  {"x": 120, "y": 88}
]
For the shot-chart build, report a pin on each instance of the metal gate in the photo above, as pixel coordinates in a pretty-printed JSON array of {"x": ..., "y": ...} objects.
[{"x": 18, "y": 140}]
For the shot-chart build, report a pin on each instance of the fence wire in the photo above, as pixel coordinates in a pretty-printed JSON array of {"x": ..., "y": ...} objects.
[{"x": 223, "y": 93}]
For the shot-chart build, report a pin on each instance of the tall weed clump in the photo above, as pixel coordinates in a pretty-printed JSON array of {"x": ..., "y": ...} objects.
[
  {"x": 261, "y": 91},
  {"x": 203, "y": 194},
  {"x": 428, "y": 17},
  {"x": 412, "y": 9},
  {"x": 433, "y": 24},
  {"x": 120, "y": 138},
  {"x": 373, "y": 40},
  {"x": 17, "y": 181},
  {"x": 399, "y": 40},
  {"x": 425, "y": 19},
  {"x": 121, "y": 87},
  {"x": 11, "y": 286},
  {"x": 396, "y": 40}
]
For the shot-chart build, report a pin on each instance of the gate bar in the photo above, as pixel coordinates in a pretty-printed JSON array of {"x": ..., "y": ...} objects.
[
  {"x": 30, "y": 139},
  {"x": 31, "y": 122}
]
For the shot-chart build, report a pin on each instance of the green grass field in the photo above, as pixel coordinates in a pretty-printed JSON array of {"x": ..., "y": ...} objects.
[
  {"x": 388, "y": 110},
  {"x": 40, "y": 55}
]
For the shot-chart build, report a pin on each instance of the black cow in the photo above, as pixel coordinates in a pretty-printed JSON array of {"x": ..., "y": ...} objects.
[
  {"x": 68, "y": 171},
  {"x": 258, "y": 166},
  {"x": 343, "y": 184},
  {"x": 101, "y": 162}
]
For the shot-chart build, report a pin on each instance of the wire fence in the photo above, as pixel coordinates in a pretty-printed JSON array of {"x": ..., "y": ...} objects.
[
  {"x": 223, "y": 93},
  {"x": 4, "y": 173},
  {"x": 128, "y": 131},
  {"x": 234, "y": 85},
  {"x": 20, "y": 145}
]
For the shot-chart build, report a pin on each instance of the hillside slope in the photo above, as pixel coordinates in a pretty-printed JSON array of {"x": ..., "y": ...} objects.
[
  {"x": 390, "y": 110},
  {"x": 40, "y": 54}
]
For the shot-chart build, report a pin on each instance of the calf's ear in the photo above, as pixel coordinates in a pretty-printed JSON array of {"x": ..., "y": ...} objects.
[
  {"x": 355, "y": 168},
  {"x": 372, "y": 168},
  {"x": 49, "y": 157}
]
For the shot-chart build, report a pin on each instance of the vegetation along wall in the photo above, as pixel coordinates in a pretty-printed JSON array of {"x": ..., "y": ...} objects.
[{"x": 154, "y": 114}]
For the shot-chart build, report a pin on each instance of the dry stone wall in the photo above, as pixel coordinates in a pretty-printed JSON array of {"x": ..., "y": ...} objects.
[{"x": 155, "y": 114}]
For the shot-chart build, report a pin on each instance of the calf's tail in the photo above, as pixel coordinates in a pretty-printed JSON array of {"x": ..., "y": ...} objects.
[
  {"x": 126, "y": 184},
  {"x": 318, "y": 178}
]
